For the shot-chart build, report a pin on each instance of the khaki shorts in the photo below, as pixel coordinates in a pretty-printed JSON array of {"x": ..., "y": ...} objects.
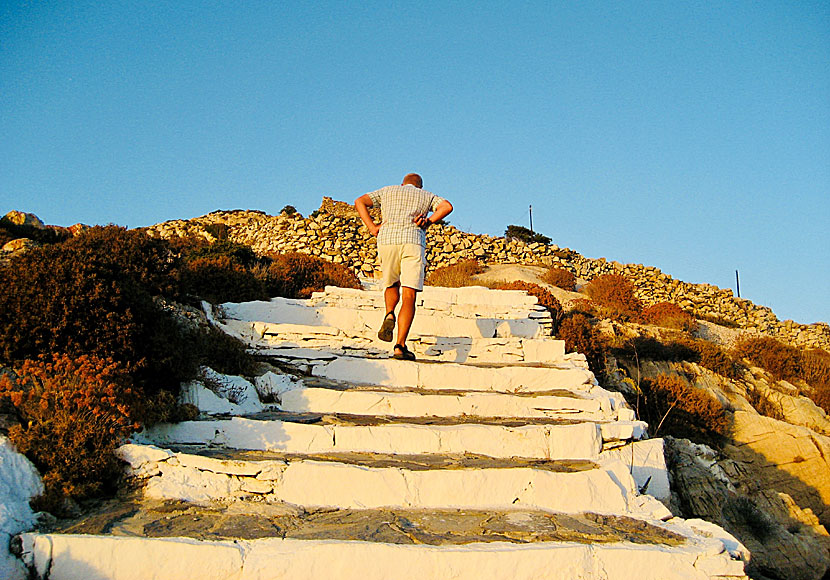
[{"x": 402, "y": 263}]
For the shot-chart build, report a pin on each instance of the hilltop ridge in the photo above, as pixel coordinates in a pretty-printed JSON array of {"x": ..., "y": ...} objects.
[{"x": 335, "y": 233}]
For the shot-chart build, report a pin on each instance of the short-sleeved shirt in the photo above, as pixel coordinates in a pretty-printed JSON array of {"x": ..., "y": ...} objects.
[{"x": 399, "y": 204}]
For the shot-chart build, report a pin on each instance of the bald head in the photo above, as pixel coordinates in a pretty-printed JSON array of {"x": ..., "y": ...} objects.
[{"x": 413, "y": 179}]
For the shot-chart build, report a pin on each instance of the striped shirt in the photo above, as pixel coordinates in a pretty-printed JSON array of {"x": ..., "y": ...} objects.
[{"x": 398, "y": 205}]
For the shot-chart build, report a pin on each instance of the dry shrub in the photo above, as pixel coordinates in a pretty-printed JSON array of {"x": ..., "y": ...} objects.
[
  {"x": 73, "y": 414},
  {"x": 713, "y": 357},
  {"x": 616, "y": 294},
  {"x": 673, "y": 407},
  {"x": 456, "y": 275},
  {"x": 764, "y": 405},
  {"x": 581, "y": 336},
  {"x": 296, "y": 275},
  {"x": 668, "y": 315},
  {"x": 220, "y": 278},
  {"x": 560, "y": 278},
  {"x": 543, "y": 296},
  {"x": 780, "y": 360},
  {"x": 224, "y": 353}
]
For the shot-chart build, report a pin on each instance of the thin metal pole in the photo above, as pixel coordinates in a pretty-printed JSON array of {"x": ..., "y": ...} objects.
[
  {"x": 531, "y": 219},
  {"x": 737, "y": 284}
]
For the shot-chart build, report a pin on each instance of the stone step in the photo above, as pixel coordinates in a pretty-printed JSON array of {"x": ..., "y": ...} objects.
[
  {"x": 700, "y": 556},
  {"x": 564, "y": 487},
  {"x": 414, "y": 404},
  {"x": 473, "y": 312},
  {"x": 317, "y": 342},
  {"x": 459, "y": 377},
  {"x": 576, "y": 441}
]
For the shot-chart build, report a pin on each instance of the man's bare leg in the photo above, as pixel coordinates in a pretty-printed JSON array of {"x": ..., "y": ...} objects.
[
  {"x": 391, "y": 296},
  {"x": 407, "y": 313}
]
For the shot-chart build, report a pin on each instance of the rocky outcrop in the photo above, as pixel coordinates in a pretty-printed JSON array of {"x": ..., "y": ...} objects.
[{"x": 785, "y": 540}]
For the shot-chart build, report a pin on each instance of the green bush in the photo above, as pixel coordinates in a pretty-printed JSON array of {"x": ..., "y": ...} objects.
[
  {"x": 525, "y": 235},
  {"x": 94, "y": 295},
  {"x": 560, "y": 278},
  {"x": 220, "y": 278},
  {"x": 238, "y": 253},
  {"x": 296, "y": 275},
  {"x": 616, "y": 295},
  {"x": 456, "y": 275}
]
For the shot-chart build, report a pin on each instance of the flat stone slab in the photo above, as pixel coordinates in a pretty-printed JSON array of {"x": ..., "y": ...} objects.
[
  {"x": 66, "y": 556},
  {"x": 255, "y": 520},
  {"x": 411, "y": 404},
  {"x": 577, "y": 441},
  {"x": 434, "y": 376},
  {"x": 607, "y": 488}
]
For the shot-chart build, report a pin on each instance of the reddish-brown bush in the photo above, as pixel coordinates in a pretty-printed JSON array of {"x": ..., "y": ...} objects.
[
  {"x": 780, "y": 360},
  {"x": 456, "y": 275},
  {"x": 668, "y": 315},
  {"x": 616, "y": 294},
  {"x": 543, "y": 296},
  {"x": 238, "y": 253},
  {"x": 220, "y": 278},
  {"x": 713, "y": 357},
  {"x": 296, "y": 275},
  {"x": 560, "y": 278},
  {"x": 673, "y": 407},
  {"x": 73, "y": 413},
  {"x": 581, "y": 336}
]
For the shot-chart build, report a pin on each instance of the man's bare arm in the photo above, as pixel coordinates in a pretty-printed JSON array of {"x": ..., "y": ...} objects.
[
  {"x": 362, "y": 205},
  {"x": 443, "y": 210}
]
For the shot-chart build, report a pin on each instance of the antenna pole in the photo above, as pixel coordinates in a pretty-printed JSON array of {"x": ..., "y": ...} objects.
[
  {"x": 531, "y": 219},
  {"x": 737, "y": 284}
]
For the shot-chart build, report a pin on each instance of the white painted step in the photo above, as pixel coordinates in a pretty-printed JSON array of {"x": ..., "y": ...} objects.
[
  {"x": 413, "y": 404},
  {"x": 579, "y": 441},
  {"x": 607, "y": 488},
  {"x": 74, "y": 557},
  {"x": 457, "y": 377}
]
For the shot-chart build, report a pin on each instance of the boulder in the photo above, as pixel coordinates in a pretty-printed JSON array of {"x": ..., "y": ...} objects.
[{"x": 20, "y": 218}]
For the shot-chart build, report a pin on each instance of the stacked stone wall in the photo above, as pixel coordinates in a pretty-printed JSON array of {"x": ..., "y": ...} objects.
[{"x": 336, "y": 234}]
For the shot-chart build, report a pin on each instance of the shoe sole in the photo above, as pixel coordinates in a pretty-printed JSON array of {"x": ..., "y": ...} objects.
[{"x": 385, "y": 332}]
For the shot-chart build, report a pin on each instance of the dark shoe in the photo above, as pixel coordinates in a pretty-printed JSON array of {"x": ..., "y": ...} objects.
[
  {"x": 385, "y": 332},
  {"x": 405, "y": 353}
]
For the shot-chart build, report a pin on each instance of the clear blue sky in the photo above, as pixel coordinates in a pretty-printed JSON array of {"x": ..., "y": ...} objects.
[{"x": 691, "y": 136}]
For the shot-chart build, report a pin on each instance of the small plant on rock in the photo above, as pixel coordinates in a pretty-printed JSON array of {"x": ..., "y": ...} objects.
[
  {"x": 543, "y": 296},
  {"x": 615, "y": 294},
  {"x": 560, "y": 278},
  {"x": 668, "y": 315},
  {"x": 456, "y": 275},
  {"x": 673, "y": 407},
  {"x": 581, "y": 336}
]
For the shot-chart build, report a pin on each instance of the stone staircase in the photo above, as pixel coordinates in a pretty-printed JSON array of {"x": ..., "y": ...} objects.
[{"x": 495, "y": 455}]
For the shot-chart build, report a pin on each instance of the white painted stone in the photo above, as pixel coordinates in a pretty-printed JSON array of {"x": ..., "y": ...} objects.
[
  {"x": 127, "y": 558},
  {"x": 647, "y": 464},
  {"x": 19, "y": 483},
  {"x": 543, "y": 350},
  {"x": 237, "y": 390},
  {"x": 86, "y": 557},
  {"x": 507, "y": 379},
  {"x": 580, "y": 441},
  {"x": 191, "y": 484},
  {"x": 406, "y": 404},
  {"x": 623, "y": 430},
  {"x": 137, "y": 455}
]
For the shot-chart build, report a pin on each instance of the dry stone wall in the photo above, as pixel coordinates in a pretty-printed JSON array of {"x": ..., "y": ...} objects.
[{"x": 336, "y": 233}]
